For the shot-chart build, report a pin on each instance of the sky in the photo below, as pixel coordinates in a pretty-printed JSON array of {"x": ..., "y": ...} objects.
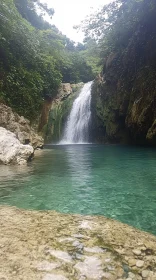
[{"x": 71, "y": 12}]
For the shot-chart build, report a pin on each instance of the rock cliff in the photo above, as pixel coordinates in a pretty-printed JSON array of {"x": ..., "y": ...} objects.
[{"x": 124, "y": 94}]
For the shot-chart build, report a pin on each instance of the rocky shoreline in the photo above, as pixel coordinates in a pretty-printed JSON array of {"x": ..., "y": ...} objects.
[
  {"x": 45, "y": 245},
  {"x": 18, "y": 139}
]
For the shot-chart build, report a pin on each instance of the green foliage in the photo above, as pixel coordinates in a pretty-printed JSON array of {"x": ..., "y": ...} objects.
[
  {"x": 92, "y": 55},
  {"x": 116, "y": 23},
  {"x": 35, "y": 57},
  {"x": 28, "y": 10}
]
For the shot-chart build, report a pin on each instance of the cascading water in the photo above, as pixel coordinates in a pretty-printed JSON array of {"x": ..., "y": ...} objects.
[{"x": 77, "y": 126}]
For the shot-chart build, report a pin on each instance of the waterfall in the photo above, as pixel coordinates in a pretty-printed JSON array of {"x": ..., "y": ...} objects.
[{"x": 77, "y": 125}]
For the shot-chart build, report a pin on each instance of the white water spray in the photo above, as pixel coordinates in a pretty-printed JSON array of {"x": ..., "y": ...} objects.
[{"x": 77, "y": 126}]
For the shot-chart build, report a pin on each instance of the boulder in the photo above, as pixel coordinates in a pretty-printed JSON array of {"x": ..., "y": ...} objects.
[
  {"x": 20, "y": 126},
  {"x": 11, "y": 150}
]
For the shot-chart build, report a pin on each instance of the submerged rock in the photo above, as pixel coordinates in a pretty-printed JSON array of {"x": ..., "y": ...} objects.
[{"x": 11, "y": 150}]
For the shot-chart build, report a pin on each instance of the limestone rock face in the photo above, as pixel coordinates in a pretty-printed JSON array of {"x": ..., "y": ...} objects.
[
  {"x": 20, "y": 126},
  {"x": 11, "y": 150}
]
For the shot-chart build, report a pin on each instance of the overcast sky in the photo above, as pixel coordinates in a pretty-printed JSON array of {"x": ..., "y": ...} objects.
[{"x": 71, "y": 12}]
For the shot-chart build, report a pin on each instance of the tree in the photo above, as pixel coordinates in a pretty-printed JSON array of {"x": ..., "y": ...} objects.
[
  {"x": 35, "y": 57},
  {"x": 33, "y": 11}
]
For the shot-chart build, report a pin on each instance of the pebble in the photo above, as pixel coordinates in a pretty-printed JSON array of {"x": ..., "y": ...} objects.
[
  {"x": 145, "y": 273},
  {"x": 140, "y": 263},
  {"x": 121, "y": 252},
  {"x": 137, "y": 252},
  {"x": 131, "y": 275},
  {"x": 132, "y": 262}
]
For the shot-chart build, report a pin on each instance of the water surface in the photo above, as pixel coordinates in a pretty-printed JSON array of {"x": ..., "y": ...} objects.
[{"x": 115, "y": 181}]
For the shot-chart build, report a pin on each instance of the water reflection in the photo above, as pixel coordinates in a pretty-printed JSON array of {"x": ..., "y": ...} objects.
[{"x": 79, "y": 164}]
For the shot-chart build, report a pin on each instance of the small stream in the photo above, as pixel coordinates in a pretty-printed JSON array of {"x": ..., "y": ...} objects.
[{"x": 114, "y": 181}]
